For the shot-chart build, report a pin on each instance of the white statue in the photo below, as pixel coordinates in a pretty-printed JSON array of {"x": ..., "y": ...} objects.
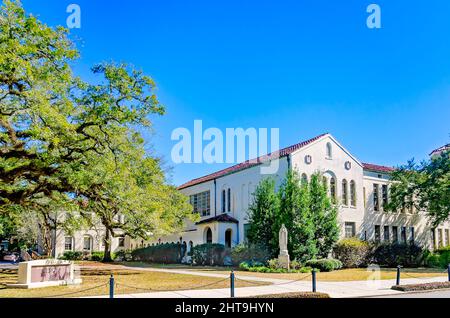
[{"x": 283, "y": 258}]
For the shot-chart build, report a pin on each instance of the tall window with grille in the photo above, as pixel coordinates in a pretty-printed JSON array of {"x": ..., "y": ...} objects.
[
  {"x": 229, "y": 200},
  {"x": 201, "y": 203},
  {"x": 386, "y": 234},
  {"x": 412, "y": 234},
  {"x": 377, "y": 233},
  {"x": 344, "y": 192},
  {"x": 224, "y": 199},
  {"x": 395, "y": 234},
  {"x": 352, "y": 193},
  {"x": 403, "y": 234},
  {"x": 350, "y": 229},
  {"x": 333, "y": 188},
  {"x": 376, "y": 201},
  {"x": 384, "y": 194},
  {"x": 68, "y": 243}
]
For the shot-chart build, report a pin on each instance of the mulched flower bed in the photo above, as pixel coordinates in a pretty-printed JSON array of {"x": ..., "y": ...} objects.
[
  {"x": 419, "y": 287},
  {"x": 294, "y": 295}
]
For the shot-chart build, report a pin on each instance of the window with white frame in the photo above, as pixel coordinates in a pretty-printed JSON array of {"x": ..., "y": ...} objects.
[
  {"x": 384, "y": 194},
  {"x": 333, "y": 188},
  {"x": 87, "y": 243},
  {"x": 68, "y": 243},
  {"x": 201, "y": 203},
  {"x": 386, "y": 233},
  {"x": 352, "y": 193},
  {"x": 377, "y": 233},
  {"x": 350, "y": 229},
  {"x": 376, "y": 202},
  {"x": 344, "y": 192}
]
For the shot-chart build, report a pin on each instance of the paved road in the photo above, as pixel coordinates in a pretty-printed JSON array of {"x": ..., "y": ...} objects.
[{"x": 432, "y": 294}]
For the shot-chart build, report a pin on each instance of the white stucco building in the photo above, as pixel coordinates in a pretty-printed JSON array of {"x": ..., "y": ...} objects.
[{"x": 222, "y": 199}]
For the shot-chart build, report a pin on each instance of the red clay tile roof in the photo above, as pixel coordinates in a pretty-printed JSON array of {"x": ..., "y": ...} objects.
[
  {"x": 219, "y": 218},
  {"x": 250, "y": 163},
  {"x": 444, "y": 147},
  {"x": 377, "y": 168}
]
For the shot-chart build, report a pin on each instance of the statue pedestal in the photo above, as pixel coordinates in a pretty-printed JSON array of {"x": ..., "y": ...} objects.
[{"x": 283, "y": 259}]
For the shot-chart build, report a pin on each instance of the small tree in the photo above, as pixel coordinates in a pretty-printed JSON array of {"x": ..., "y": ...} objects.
[
  {"x": 261, "y": 214},
  {"x": 294, "y": 213},
  {"x": 324, "y": 216}
]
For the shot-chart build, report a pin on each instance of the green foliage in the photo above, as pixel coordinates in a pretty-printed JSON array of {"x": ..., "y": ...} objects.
[
  {"x": 424, "y": 186},
  {"x": 393, "y": 254},
  {"x": 72, "y": 256},
  {"x": 98, "y": 256},
  {"x": 262, "y": 212},
  {"x": 249, "y": 252},
  {"x": 352, "y": 252},
  {"x": 273, "y": 267},
  {"x": 439, "y": 258},
  {"x": 167, "y": 253},
  {"x": 325, "y": 264},
  {"x": 305, "y": 210},
  {"x": 124, "y": 255},
  {"x": 209, "y": 254}
]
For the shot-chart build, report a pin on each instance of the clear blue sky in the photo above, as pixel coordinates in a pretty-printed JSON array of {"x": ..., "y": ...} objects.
[{"x": 306, "y": 67}]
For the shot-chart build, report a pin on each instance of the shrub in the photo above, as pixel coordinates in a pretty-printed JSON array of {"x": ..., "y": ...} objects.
[
  {"x": 98, "y": 256},
  {"x": 209, "y": 254},
  {"x": 250, "y": 253},
  {"x": 167, "y": 253},
  {"x": 352, "y": 252},
  {"x": 72, "y": 256},
  {"x": 393, "y": 254},
  {"x": 124, "y": 255},
  {"x": 440, "y": 258},
  {"x": 325, "y": 264}
]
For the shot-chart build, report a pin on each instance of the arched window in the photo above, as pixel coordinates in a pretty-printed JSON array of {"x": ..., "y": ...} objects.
[
  {"x": 352, "y": 193},
  {"x": 208, "y": 235},
  {"x": 304, "y": 178},
  {"x": 228, "y": 236},
  {"x": 329, "y": 151},
  {"x": 229, "y": 200},
  {"x": 223, "y": 200},
  {"x": 344, "y": 192},
  {"x": 333, "y": 188}
]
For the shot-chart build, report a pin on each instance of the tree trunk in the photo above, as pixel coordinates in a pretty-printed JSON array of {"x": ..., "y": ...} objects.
[{"x": 107, "y": 251}]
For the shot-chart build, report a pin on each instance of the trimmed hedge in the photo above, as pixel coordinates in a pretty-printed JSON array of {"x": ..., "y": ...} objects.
[
  {"x": 98, "y": 256},
  {"x": 352, "y": 252},
  {"x": 440, "y": 258},
  {"x": 72, "y": 256},
  {"x": 209, "y": 254},
  {"x": 167, "y": 253},
  {"x": 249, "y": 253},
  {"x": 419, "y": 287},
  {"x": 391, "y": 255},
  {"x": 325, "y": 264}
]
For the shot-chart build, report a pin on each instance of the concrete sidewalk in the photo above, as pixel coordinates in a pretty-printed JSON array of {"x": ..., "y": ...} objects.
[{"x": 349, "y": 289}]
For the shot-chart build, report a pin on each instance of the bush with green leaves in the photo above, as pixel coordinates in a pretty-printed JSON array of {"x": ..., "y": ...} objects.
[
  {"x": 72, "y": 256},
  {"x": 393, "y": 254},
  {"x": 439, "y": 258},
  {"x": 273, "y": 267},
  {"x": 352, "y": 252},
  {"x": 98, "y": 256},
  {"x": 124, "y": 255},
  {"x": 325, "y": 264},
  {"x": 209, "y": 254},
  {"x": 167, "y": 253},
  {"x": 250, "y": 253}
]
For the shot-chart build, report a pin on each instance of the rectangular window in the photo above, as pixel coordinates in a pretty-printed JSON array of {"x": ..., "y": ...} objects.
[
  {"x": 229, "y": 200},
  {"x": 364, "y": 195},
  {"x": 223, "y": 200},
  {"x": 87, "y": 243},
  {"x": 395, "y": 234},
  {"x": 386, "y": 234},
  {"x": 350, "y": 229},
  {"x": 412, "y": 234},
  {"x": 377, "y": 233},
  {"x": 433, "y": 238},
  {"x": 384, "y": 193},
  {"x": 403, "y": 234},
  {"x": 246, "y": 228},
  {"x": 121, "y": 242},
  {"x": 68, "y": 243},
  {"x": 376, "y": 202},
  {"x": 201, "y": 203},
  {"x": 447, "y": 238},
  {"x": 440, "y": 238}
]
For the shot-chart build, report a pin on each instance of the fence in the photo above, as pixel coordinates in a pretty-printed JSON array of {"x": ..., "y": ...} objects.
[{"x": 312, "y": 277}]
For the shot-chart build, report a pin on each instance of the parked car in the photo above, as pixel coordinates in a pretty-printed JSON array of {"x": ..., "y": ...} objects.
[{"x": 11, "y": 257}]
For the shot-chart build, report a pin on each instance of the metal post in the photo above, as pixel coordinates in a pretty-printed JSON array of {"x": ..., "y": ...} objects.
[
  {"x": 398, "y": 275},
  {"x": 448, "y": 272},
  {"x": 111, "y": 286},
  {"x": 314, "y": 280},
  {"x": 232, "y": 284}
]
